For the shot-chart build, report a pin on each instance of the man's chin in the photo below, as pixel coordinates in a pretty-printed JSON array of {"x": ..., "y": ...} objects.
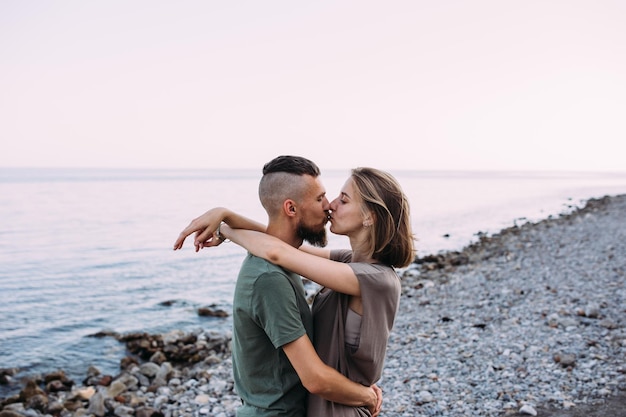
[
  {"x": 320, "y": 243},
  {"x": 318, "y": 239}
]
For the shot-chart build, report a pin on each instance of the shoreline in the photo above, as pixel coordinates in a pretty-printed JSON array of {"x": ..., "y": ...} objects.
[
  {"x": 493, "y": 329},
  {"x": 529, "y": 319}
]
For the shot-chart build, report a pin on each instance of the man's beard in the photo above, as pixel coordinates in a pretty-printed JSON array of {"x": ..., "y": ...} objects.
[{"x": 315, "y": 238}]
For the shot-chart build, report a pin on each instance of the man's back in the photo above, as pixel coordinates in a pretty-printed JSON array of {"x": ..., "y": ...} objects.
[{"x": 269, "y": 311}]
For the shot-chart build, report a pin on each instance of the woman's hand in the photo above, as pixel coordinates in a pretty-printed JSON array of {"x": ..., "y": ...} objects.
[
  {"x": 204, "y": 227},
  {"x": 379, "y": 403}
]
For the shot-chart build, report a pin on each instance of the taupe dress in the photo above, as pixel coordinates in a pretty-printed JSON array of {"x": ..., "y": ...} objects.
[{"x": 380, "y": 292}]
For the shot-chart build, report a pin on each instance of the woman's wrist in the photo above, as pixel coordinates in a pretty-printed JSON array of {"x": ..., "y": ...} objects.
[{"x": 219, "y": 235}]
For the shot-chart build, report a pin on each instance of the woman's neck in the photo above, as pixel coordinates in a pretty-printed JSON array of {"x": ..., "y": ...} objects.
[{"x": 359, "y": 254}]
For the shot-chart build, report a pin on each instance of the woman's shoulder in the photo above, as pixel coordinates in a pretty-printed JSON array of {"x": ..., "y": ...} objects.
[
  {"x": 341, "y": 255},
  {"x": 378, "y": 275}
]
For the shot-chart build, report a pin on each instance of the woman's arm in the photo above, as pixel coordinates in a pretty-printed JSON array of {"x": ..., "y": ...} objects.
[
  {"x": 337, "y": 276},
  {"x": 205, "y": 225},
  {"x": 312, "y": 250}
]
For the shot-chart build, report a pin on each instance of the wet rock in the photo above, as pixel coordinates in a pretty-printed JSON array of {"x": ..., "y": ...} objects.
[
  {"x": 128, "y": 361},
  {"x": 31, "y": 389},
  {"x": 7, "y": 374},
  {"x": 158, "y": 357},
  {"x": 84, "y": 393},
  {"x": 212, "y": 311},
  {"x": 55, "y": 408},
  {"x": 9, "y": 413},
  {"x": 37, "y": 402},
  {"x": 96, "y": 405},
  {"x": 56, "y": 386},
  {"x": 115, "y": 389}
]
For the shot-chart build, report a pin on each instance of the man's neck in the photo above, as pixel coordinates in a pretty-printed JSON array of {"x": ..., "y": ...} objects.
[{"x": 285, "y": 233}]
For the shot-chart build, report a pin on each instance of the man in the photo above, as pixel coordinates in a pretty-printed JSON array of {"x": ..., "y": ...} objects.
[{"x": 274, "y": 361}]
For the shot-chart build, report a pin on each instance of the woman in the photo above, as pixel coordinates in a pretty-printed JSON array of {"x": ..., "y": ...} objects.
[{"x": 356, "y": 307}]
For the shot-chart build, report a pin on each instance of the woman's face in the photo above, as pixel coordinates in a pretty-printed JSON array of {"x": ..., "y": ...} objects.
[{"x": 346, "y": 211}]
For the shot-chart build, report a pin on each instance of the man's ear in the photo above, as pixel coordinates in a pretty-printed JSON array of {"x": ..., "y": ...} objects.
[{"x": 289, "y": 206}]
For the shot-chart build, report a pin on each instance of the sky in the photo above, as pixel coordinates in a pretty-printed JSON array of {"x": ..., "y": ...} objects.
[{"x": 420, "y": 85}]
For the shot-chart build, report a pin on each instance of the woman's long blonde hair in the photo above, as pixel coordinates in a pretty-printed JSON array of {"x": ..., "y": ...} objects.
[{"x": 392, "y": 240}]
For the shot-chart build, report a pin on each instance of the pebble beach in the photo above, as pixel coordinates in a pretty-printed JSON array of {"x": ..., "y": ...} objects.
[{"x": 528, "y": 321}]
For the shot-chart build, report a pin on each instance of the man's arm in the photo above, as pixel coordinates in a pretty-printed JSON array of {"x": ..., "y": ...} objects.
[{"x": 320, "y": 379}]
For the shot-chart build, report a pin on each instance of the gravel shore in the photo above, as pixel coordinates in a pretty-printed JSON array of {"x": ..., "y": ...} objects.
[
  {"x": 530, "y": 321},
  {"x": 525, "y": 321}
]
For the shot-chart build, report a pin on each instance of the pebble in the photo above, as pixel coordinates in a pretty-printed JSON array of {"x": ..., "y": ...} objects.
[
  {"x": 528, "y": 409},
  {"x": 532, "y": 316}
]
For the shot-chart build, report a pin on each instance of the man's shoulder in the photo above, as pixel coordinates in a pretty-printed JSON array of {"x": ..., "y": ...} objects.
[
  {"x": 253, "y": 265},
  {"x": 258, "y": 274}
]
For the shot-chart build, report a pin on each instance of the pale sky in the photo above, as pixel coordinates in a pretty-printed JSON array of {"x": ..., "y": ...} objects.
[{"x": 425, "y": 85}]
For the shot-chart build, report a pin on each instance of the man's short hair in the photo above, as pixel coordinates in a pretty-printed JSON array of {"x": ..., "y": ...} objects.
[
  {"x": 282, "y": 180},
  {"x": 292, "y": 165}
]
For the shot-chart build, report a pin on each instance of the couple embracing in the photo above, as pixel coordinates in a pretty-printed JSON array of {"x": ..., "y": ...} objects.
[{"x": 290, "y": 359}]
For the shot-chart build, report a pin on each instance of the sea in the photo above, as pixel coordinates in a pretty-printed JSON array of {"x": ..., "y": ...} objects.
[{"x": 89, "y": 250}]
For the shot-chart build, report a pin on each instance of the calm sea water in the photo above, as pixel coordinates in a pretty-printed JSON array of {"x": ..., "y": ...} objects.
[{"x": 88, "y": 250}]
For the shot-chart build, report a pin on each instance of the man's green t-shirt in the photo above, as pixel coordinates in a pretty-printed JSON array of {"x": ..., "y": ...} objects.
[{"x": 269, "y": 311}]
